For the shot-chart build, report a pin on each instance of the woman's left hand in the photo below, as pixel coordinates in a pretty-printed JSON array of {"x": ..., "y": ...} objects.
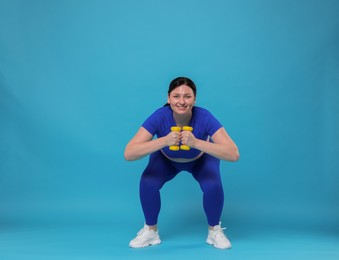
[{"x": 187, "y": 138}]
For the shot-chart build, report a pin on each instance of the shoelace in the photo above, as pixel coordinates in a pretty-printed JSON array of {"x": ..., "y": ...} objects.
[{"x": 221, "y": 233}]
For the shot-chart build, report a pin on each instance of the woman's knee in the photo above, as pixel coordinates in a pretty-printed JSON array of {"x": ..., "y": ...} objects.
[
  {"x": 211, "y": 185},
  {"x": 151, "y": 182}
]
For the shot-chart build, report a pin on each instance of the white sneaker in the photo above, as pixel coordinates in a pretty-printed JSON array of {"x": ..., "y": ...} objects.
[
  {"x": 217, "y": 238},
  {"x": 145, "y": 237}
]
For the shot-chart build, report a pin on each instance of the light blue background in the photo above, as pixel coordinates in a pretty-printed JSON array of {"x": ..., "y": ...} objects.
[{"x": 77, "y": 78}]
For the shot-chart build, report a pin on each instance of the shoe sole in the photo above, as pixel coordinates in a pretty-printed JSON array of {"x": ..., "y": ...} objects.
[
  {"x": 210, "y": 242},
  {"x": 149, "y": 243}
]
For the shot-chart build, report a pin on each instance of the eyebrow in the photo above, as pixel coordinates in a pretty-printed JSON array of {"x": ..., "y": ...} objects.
[{"x": 186, "y": 93}]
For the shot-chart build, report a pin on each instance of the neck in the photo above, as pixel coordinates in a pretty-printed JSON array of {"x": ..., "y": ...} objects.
[{"x": 182, "y": 120}]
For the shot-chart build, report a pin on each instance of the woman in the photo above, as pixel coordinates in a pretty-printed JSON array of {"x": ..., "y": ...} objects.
[{"x": 209, "y": 143}]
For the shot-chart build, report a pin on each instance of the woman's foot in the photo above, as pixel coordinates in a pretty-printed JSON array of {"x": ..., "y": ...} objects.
[
  {"x": 147, "y": 236},
  {"x": 217, "y": 238}
]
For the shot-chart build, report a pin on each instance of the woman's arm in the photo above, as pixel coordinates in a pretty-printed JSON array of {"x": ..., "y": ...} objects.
[
  {"x": 222, "y": 147},
  {"x": 143, "y": 144}
]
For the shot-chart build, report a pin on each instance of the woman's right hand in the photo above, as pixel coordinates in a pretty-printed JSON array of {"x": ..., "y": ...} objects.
[{"x": 173, "y": 138}]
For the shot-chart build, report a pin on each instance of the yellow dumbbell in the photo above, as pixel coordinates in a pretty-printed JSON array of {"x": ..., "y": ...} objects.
[
  {"x": 175, "y": 147},
  {"x": 185, "y": 147}
]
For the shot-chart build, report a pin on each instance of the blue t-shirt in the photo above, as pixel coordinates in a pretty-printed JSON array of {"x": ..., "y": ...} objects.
[{"x": 203, "y": 122}]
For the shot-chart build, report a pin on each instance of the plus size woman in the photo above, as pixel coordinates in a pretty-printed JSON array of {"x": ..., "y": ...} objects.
[{"x": 209, "y": 143}]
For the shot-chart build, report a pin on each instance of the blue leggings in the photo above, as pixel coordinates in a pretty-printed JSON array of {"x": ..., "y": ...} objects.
[{"x": 206, "y": 170}]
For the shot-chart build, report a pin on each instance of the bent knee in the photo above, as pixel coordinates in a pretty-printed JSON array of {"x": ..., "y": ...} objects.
[
  {"x": 211, "y": 186},
  {"x": 151, "y": 183}
]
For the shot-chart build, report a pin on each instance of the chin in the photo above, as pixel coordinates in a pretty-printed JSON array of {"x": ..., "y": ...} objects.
[{"x": 182, "y": 112}]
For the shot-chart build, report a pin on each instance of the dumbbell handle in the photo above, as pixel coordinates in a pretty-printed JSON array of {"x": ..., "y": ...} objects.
[
  {"x": 175, "y": 147},
  {"x": 185, "y": 147}
]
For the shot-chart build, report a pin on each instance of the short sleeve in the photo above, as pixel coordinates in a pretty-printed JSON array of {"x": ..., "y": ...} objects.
[
  {"x": 151, "y": 123},
  {"x": 212, "y": 124}
]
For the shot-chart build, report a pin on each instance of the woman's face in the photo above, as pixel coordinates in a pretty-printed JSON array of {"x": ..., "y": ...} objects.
[{"x": 181, "y": 100}]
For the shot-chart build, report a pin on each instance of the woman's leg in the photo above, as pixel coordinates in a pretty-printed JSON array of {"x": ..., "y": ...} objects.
[
  {"x": 158, "y": 171},
  {"x": 207, "y": 172}
]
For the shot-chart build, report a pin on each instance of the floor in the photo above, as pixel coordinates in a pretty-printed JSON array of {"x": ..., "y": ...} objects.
[{"x": 109, "y": 241}]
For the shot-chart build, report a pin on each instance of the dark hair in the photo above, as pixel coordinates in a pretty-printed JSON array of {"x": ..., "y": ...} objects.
[{"x": 177, "y": 82}]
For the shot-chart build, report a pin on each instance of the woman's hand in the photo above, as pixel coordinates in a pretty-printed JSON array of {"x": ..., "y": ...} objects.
[
  {"x": 173, "y": 138},
  {"x": 187, "y": 138}
]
